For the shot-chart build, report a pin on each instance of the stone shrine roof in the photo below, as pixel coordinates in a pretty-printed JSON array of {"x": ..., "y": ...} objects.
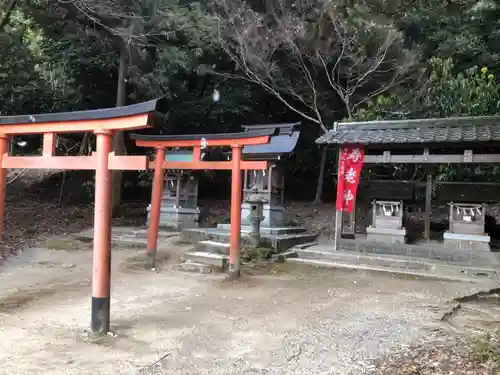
[
  {"x": 444, "y": 130},
  {"x": 281, "y": 144}
]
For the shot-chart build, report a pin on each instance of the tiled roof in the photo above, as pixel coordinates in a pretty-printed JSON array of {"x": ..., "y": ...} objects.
[{"x": 461, "y": 129}]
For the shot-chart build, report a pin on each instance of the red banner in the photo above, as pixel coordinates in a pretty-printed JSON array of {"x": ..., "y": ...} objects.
[{"x": 350, "y": 164}]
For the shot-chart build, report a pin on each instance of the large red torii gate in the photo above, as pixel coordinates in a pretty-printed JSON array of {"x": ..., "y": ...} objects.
[
  {"x": 104, "y": 123},
  {"x": 197, "y": 142}
]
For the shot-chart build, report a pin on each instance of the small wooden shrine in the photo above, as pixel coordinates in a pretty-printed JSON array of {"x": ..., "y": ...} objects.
[{"x": 430, "y": 142}]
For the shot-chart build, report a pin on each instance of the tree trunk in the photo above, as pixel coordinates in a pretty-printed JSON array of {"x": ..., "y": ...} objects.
[
  {"x": 119, "y": 138},
  {"x": 321, "y": 177},
  {"x": 7, "y": 12}
]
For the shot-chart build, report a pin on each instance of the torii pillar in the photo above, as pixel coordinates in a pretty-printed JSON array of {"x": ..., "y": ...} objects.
[{"x": 104, "y": 123}]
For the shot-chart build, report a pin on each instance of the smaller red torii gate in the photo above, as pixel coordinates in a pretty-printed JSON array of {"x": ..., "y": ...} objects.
[
  {"x": 104, "y": 123},
  {"x": 198, "y": 142}
]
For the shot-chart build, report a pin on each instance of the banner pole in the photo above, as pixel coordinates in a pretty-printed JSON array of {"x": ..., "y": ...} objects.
[{"x": 338, "y": 213}]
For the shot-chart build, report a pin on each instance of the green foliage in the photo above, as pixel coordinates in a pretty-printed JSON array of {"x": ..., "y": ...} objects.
[
  {"x": 474, "y": 92},
  {"x": 23, "y": 86},
  {"x": 445, "y": 93}
]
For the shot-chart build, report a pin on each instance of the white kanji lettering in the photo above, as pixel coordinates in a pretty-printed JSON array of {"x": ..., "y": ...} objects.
[
  {"x": 343, "y": 154},
  {"x": 355, "y": 155},
  {"x": 348, "y": 196},
  {"x": 351, "y": 176}
]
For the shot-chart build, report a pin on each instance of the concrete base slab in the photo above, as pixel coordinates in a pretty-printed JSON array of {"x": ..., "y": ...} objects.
[
  {"x": 430, "y": 251},
  {"x": 393, "y": 271},
  {"x": 401, "y": 263},
  {"x": 385, "y": 235},
  {"x": 466, "y": 241}
]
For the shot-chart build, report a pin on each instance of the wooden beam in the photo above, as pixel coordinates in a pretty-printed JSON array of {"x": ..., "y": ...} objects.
[
  {"x": 121, "y": 163},
  {"x": 212, "y": 165},
  {"x": 432, "y": 159},
  {"x": 196, "y": 143}
]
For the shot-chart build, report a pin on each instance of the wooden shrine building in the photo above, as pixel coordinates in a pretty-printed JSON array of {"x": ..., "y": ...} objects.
[{"x": 427, "y": 142}]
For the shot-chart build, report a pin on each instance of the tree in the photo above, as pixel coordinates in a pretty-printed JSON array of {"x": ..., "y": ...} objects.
[
  {"x": 321, "y": 60},
  {"x": 140, "y": 31},
  {"x": 444, "y": 92}
]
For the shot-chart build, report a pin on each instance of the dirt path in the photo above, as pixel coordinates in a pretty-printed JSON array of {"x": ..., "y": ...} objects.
[{"x": 277, "y": 319}]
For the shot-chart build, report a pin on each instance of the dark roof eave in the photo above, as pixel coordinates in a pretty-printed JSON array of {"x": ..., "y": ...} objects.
[
  {"x": 413, "y": 123},
  {"x": 189, "y": 137},
  {"x": 283, "y": 127},
  {"x": 148, "y": 107}
]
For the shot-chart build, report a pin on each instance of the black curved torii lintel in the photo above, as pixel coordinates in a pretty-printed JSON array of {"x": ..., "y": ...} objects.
[{"x": 149, "y": 107}]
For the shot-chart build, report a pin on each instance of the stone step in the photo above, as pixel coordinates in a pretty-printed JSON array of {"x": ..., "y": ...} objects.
[
  {"x": 128, "y": 236},
  {"x": 392, "y": 271},
  {"x": 396, "y": 264},
  {"x": 425, "y": 251},
  {"x": 278, "y": 243},
  {"x": 219, "y": 261},
  {"x": 278, "y": 231},
  {"x": 193, "y": 267},
  {"x": 213, "y": 247}
]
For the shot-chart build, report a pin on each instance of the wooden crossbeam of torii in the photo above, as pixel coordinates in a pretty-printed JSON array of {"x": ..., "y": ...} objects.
[
  {"x": 104, "y": 123},
  {"x": 198, "y": 142}
]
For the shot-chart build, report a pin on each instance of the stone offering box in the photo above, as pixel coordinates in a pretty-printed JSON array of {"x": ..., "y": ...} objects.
[
  {"x": 467, "y": 227},
  {"x": 387, "y": 222}
]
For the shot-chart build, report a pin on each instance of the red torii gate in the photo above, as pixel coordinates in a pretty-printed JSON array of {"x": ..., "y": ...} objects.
[
  {"x": 104, "y": 123},
  {"x": 198, "y": 142}
]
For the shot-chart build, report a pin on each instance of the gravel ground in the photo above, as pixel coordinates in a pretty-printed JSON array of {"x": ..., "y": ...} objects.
[{"x": 277, "y": 319}]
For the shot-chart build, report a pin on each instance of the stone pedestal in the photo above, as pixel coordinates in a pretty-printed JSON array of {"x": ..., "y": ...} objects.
[
  {"x": 386, "y": 235},
  {"x": 467, "y": 241},
  {"x": 274, "y": 216},
  {"x": 178, "y": 218}
]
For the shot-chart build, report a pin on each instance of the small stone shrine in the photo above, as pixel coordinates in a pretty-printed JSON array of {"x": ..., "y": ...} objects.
[
  {"x": 269, "y": 184},
  {"x": 387, "y": 222},
  {"x": 179, "y": 207},
  {"x": 467, "y": 227}
]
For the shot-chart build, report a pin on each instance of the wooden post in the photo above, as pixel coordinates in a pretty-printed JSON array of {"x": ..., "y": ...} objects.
[
  {"x": 49, "y": 144},
  {"x": 235, "y": 234},
  {"x": 4, "y": 149},
  {"x": 154, "y": 214},
  {"x": 338, "y": 214},
  {"x": 428, "y": 207},
  {"x": 101, "y": 278}
]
